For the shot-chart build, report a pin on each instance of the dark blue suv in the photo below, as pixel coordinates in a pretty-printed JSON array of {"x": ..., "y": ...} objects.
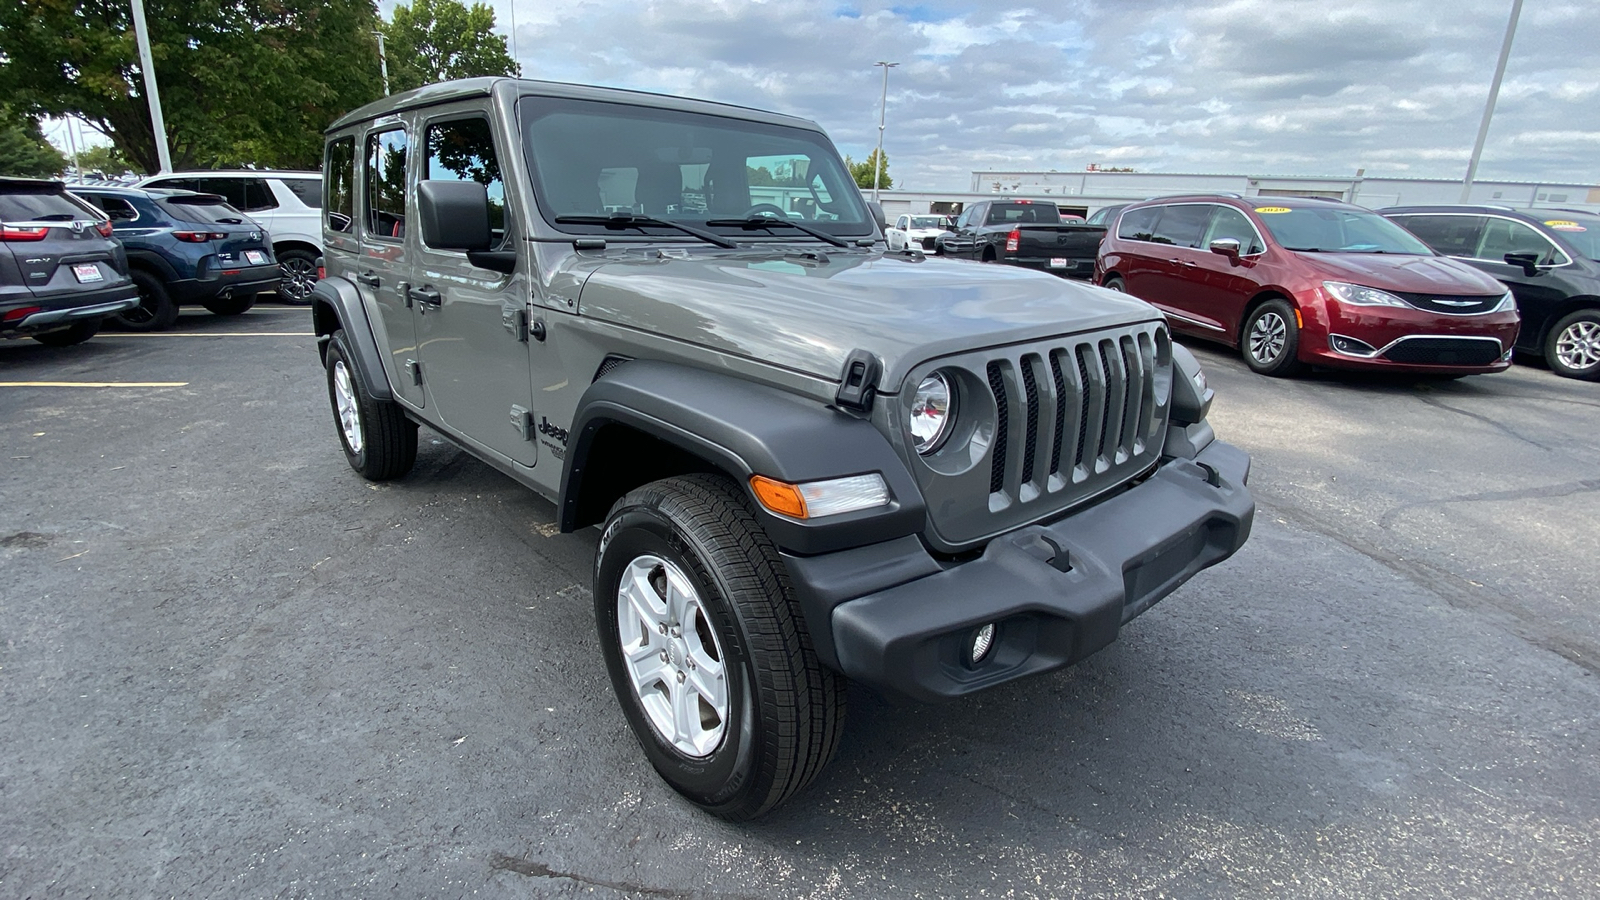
[{"x": 186, "y": 248}]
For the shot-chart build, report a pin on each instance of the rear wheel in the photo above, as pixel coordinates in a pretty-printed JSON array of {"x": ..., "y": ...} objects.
[
  {"x": 378, "y": 440},
  {"x": 66, "y": 337},
  {"x": 155, "y": 312},
  {"x": 1271, "y": 342},
  {"x": 1115, "y": 284},
  {"x": 299, "y": 276},
  {"x": 708, "y": 651},
  {"x": 231, "y": 306},
  {"x": 1573, "y": 347}
]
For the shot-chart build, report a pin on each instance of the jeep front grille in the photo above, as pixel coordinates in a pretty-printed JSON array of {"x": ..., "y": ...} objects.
[{"x": 1072, "y": 418}]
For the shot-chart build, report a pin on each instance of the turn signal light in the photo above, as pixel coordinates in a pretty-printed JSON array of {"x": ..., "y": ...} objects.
[
  {"x": 817, "y": 499},
  {"x": 779, "y": 496},
  {"x": 1013, "y": 240}
]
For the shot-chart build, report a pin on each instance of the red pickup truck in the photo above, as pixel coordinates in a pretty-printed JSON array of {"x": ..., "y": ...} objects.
[{"x": 1027, "y": 233}]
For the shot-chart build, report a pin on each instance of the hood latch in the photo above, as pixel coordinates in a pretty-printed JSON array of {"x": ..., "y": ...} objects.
[{"x": 859, "y": 381}]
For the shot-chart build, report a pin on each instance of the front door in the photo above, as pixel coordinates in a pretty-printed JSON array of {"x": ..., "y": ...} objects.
[
  {"x": 472, "y": 323},
  {"x": 381, "y": 267}
]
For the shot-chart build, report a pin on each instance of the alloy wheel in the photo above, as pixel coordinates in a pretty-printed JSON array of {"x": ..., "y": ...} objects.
[
  {"x": 344, "y": 396},
  {"x": 1268, "y": 335},
  {"x": 1578, "y": 346},
  {"x": 299, "y": 277},
  {"x": 673, "y": 659}
]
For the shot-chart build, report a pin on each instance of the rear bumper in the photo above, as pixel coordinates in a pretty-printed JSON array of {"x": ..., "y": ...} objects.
[
  {"x": 1073, "y": 267},
  {"x": 1056, "y": 593},
  {"x": 227, "y": 283},
  {"x": 97, "y": 305}
]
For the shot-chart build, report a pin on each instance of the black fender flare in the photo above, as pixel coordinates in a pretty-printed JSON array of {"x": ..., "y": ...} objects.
[
  {"x": 747, "y": 429},
  {"x": 336, "y": 304},
  {"x": 149, "y": 259}
]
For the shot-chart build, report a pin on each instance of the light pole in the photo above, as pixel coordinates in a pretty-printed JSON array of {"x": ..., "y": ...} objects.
[
  {"x": 141, "y": 35},
  {"x": 383, "y": 62},
  {"x": 1494, "y": 94},
  {"x": 883, "y": 106}
]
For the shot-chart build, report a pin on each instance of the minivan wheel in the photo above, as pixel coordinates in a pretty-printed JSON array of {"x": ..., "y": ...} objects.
[
  {"x": 299, "y": 276},
  {"x": 707, "y": 648},
  {"x": 1573, "y": 347},
  {"x": 1271, "y": 341},
  {"x": 378, "y": 440},
  {"x": 155, "y": 312},
  {"x": 1115, "y": 284}
]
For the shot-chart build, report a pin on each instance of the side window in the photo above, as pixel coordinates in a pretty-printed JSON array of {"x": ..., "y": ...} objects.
[
  {"x": 306, "y": 190},
  {"x": 1182, "y": 225},
  {"x": 116, "y": 208},
  {"x": 385, "y": 184},
  {"x": 1138, "y": 224},
  {"x": 903, "y": 223},
  {"x": 1502, "y": 236},
  {"x": 339, "y": 185},
  {"x": 257, "y": 195},
  {"x": 231, "y": 189},
  {"x": 1230, "y": 223},
  {"x": 1450, "y": 235},
  {"x": 177, "y": 184},
  {"x": 463, "y": 150}
]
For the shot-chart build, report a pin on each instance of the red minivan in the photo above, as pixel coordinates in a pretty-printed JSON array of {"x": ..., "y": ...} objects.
[{"x": 1295, "y": 281}]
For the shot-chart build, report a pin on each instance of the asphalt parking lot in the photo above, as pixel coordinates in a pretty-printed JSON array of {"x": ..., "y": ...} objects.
[{"x": 229, "y": 667}]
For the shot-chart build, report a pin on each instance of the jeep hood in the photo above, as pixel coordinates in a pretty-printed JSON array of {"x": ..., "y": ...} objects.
[{"x": 807, "y": 314}]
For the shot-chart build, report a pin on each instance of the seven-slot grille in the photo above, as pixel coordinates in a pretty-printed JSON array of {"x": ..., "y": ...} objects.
[{"x": 1083, "y": 413}]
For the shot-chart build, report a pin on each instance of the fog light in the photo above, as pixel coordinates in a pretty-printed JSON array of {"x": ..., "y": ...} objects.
[
  {"x": 1350, "y": 346},
  {"x": 981, "y": 643}
]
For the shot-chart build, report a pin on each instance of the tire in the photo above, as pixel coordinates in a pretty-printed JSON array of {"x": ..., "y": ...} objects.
[
  {"x": 299, "y": 276},
  {"x": 231, "y": 306},
  {"x": 780, "y": 714},
  {"x": 1274, "y": 350},
  {"x": 1573, "y": 346},
  {"x": 155, "y": 312},
  {"x": 77, "y": 334},
  {"x": 1115, "y": 284},
  {"x": 378, "y": 440}
]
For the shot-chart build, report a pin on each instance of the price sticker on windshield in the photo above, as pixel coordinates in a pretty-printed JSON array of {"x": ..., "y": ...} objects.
[
  {"x": 1273, "y": 209},
  {"x": 1564, "y": 225}
]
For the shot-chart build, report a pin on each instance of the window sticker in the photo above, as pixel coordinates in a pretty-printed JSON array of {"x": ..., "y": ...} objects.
[
  {"x": 1273, "y": 209},
  {"x": 1565, "y": 225}
]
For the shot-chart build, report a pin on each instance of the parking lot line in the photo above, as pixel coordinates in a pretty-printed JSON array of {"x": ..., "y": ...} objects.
[
  {"x": 151, "y": 334},
  {"x": 95, "y": 384}
]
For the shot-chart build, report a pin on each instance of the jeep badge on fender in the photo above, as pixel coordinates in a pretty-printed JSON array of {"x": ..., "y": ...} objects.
[{"x": 810, "y": 460}]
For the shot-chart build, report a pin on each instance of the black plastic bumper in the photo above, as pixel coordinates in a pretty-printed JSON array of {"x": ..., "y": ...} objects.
[
  {"x": 1056, "y": 593},
  {"x": 226, "y": 283}
]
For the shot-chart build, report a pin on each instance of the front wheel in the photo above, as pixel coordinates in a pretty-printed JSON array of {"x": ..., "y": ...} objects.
[
  {"x": 1573, "y": 347},
  {"x": 707, "y": 649},
  {"x": 378, "y": 440},
  {"x": 1271, "y": 342}
]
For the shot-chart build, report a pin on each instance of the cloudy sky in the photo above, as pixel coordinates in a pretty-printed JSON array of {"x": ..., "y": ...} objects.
[{"x": 1283, "y": 87}]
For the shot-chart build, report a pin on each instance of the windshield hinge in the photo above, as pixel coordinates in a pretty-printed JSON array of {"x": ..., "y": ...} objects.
[{"x": 859, "y": 381}]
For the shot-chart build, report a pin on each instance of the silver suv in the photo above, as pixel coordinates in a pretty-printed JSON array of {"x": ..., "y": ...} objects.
[
  {"x": 287, "y": 204},
  {"x": 811, "y": 459}
]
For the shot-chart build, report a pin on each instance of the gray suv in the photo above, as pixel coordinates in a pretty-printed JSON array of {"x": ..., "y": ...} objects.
[{"x": 811, "y": 459}]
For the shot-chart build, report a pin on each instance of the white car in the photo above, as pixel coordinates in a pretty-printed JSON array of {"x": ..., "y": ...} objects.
[
  {"x": 915, "y": 231},
  {"x": 287, "y": 204}
]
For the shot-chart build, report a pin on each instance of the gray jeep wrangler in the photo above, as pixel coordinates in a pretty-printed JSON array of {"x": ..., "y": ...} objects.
[{"x": 811, "y": 459}]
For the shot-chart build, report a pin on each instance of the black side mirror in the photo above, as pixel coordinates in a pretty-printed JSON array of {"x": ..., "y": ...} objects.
[
  {"x": 1227, "y": 247},
  {"x": 1528, "y": 261},
  {"x": 455, "y": 215},
  {"x": 877, "y": 215}
]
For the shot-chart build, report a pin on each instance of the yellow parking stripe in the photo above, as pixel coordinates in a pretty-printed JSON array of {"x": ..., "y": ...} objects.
[
  {"x": 145, "y": 334},
  {"x": 95, "y": 384}
]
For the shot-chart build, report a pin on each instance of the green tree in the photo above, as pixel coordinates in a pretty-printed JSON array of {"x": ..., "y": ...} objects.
[
  {"x": 242, "y": 82},
  {"x": 104, "y": 158},
  {"x": 23, "y": 149},
  {"x": 862, "y": 171},
  {"x": 436, "y": 40}
]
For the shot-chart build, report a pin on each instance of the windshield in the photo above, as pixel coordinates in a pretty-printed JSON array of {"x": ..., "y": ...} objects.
[
  {"x": 599, "y": 159},
  {"x": 1338, "y": 229},
  {"x": 1579, "y": 230},
  {"x": 927, "y": 221}
]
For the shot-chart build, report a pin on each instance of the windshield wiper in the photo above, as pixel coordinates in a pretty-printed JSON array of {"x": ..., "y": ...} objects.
[
  {"x": 55, "y": 217},
  {"x": 231, "y": 221},
  {"x": 634, "y": 220},
  {"x": 759, "y": 221}
]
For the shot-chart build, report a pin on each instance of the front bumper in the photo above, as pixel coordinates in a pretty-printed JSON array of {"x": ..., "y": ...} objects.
[{"x": 1057, "y": 593}]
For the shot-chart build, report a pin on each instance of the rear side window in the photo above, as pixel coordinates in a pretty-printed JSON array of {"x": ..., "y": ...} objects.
[
  {"x": 339, "y": 183},
  {"x": 464, "y": 151},
  {"x": 44, "y": 206},
  {"x": 1138, "y": 224},
  {"x": 1182, "y": 225},
  {"x": 202, "y": 210},
  {"x": 306, "y": 190},
  {"x": 1450, "y": 235},
  {"x": 385, "y": 183},
  {"x": 117, "y": 208},
  {"x": 1502, "y": 236}
]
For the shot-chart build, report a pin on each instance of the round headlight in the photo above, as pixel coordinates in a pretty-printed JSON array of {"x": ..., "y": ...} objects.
[{"x": 933, "y": 412}]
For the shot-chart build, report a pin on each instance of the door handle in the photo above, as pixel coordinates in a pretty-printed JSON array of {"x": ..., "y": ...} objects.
[
  {"x": 425, "y": 297},
  {"x": 369, "y": 279}
]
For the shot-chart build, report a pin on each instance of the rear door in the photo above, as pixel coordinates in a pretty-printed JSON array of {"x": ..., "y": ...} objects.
[
  {"x": 472, "y": 323},
  {"x": 381, "y": 268},
  {"x": 61, "y": 248},
  {"x": 1175, "y": 268},
  {"x": 1138, "y": 251}
]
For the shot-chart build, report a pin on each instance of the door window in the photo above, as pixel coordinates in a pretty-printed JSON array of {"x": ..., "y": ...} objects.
[
  {"x": 117, "y": 209},
  {"x": 245, "y": 194},
  {"x": 1230, "y": 224},
  {"x": 306, "y": 190},
  {"x": 385, "y": 184},
  {"x": 1182, "y": 225},
  {"x": 1450, "y": 235},
  {"x": 1502, "y": 236},
  {"x": 463, "y": 150},
  {"x": 902, "y": 223},
  {"x": 1138, "y": 224},
  {"x": 340, "y": 184}
]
